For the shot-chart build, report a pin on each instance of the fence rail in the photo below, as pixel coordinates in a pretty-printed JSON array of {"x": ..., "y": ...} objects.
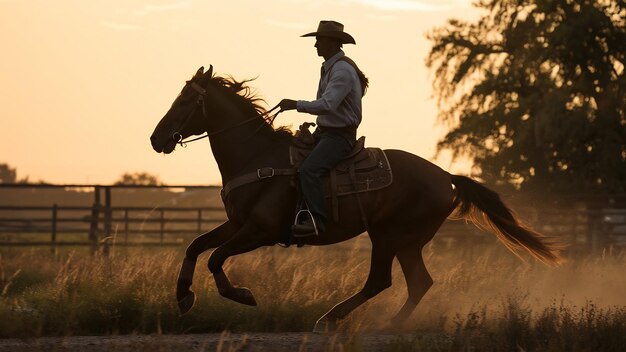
[
  {"x": 102, "y": 223},
  {"x": 58, "y": 222}
]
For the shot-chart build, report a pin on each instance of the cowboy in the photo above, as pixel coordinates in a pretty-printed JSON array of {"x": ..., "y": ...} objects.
[{"x": 338, "y": 110}]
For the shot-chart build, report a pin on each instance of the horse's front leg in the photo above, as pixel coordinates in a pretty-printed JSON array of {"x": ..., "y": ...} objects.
[
  {"x": 200, "y": 244},
  {"x": 248, "y": 238}
]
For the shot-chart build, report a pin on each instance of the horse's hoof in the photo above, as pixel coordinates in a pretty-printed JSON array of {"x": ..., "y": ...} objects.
[
  {"x": 324, "y": 326},
  {"x": 186, "y": 303},
  {"x": 242, "y": 295}
]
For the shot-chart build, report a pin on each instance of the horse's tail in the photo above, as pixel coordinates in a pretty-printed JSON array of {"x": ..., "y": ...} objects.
[{"x": 484, "y": 208}]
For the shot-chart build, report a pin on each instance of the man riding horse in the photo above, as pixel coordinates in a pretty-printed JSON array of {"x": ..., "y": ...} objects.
[
  {"x": 256, "y": 167},
  {"x": 338, "y": 110}
]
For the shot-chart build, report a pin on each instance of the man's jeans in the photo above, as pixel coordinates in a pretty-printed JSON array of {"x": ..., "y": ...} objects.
[{"x": 328, "y": 152}]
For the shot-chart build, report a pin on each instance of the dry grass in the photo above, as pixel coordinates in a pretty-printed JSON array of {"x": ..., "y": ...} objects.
[{"x": 476, "y": 300}]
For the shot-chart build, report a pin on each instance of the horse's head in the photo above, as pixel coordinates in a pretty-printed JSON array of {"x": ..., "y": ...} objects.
[{"x": 186, "y": 115}]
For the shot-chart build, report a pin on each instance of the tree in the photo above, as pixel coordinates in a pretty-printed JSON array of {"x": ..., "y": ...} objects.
[
  {"x": 534, "y": 92},
  {"x": 7, "y": 174},
  {"x": 139, "y": 178}
]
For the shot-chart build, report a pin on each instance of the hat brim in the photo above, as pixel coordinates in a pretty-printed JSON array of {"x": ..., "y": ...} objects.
[{"x": 343, "y": 37}]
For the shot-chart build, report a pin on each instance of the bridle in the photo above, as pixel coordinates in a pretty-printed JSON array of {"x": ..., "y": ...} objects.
[{"x": 177, "y": 137}]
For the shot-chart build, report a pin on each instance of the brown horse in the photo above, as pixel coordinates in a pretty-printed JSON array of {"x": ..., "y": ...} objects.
[{"x": 402, "y": 217}]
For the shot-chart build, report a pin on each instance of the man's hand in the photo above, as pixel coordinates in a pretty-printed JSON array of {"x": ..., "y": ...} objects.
[{"x": 287, "y": 104}]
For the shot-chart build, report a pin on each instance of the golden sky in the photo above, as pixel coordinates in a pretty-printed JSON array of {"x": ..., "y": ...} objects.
[{"x": 83, "y": 83}]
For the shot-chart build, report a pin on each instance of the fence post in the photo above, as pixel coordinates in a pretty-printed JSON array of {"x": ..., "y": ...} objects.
[
  {"x": 95, "y": 214},
  {"x": 199, "y": 221},
  {"x": 126, "y": 225},
  {"x": 162, "y": 225},
  {"x": 54, "y": 228},
  {"x": 107, "y": 220}
]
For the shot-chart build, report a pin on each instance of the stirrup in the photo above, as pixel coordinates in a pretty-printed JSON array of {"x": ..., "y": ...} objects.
[{"x": 306, "y": 213}]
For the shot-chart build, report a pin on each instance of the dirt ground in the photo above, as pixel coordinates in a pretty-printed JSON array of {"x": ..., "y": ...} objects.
[{"x": 205, "y": 343}]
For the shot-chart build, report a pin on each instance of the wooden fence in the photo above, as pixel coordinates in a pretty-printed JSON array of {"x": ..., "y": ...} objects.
[
  {"x": 101, "y": 224},
  {"x": 101, "y": 227}
]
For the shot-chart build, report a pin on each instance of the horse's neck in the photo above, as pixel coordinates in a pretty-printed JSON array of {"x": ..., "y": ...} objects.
[
  {"x": 237, "y": 154},
  {"x": 235, "y": 148}
]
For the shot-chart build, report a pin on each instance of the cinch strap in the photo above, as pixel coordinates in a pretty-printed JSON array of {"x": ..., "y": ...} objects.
[{"x": 258, "y": 175}]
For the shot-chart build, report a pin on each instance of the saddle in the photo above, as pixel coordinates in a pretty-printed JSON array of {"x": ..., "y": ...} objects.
[{"x": 362, "y": 170}]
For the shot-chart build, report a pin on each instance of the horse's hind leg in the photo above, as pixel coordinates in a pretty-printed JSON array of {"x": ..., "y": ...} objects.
[
  {"x": 418, "y": 281},
  {"x": 378, "y": 280},
  {"x": 211, "y": 239}
]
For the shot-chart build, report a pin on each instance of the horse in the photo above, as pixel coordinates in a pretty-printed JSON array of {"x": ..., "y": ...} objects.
[{"x": 402, "y": 218}]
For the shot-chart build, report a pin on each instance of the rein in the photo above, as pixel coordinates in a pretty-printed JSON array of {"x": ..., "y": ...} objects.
[
  {"x": 254, "y": 176},
  {"x": 178, "y": 138}
]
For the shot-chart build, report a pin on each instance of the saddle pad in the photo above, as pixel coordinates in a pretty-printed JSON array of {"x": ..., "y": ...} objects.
[{"x": 370, "y": 174}]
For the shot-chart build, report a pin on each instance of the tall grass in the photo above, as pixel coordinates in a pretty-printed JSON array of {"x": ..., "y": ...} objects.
[{"x": 476, "y": 300}]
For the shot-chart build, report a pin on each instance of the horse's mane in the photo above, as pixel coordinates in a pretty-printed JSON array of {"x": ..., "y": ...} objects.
[{"x": 248, "y": 100}]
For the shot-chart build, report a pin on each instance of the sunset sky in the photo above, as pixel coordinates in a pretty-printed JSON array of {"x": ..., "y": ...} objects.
[{"x": 83, "y": 83}]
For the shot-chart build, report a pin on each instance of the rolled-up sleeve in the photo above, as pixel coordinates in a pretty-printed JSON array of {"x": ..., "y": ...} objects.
[{"x": 339, "y": 85}]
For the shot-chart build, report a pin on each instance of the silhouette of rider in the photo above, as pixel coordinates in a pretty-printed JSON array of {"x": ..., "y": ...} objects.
[{"x": 338, "y": 110}]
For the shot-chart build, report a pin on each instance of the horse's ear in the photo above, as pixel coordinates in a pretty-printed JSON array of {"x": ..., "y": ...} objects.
[
  {"x": 210, "y": 71},
  {"x": 199, "y": 72}
]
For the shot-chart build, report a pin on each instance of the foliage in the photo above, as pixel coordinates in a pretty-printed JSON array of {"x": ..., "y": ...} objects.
[
  {"x": 7, "y": 174},
  {"x": 138, "y": 179},
  {"x": 132, "y": 291},
  {"x": 534, "y": 92},
  {"x": 516, "y": 327}
]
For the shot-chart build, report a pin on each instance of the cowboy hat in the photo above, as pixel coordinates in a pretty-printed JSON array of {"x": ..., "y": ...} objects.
[{"x": 332, "y": 29}]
